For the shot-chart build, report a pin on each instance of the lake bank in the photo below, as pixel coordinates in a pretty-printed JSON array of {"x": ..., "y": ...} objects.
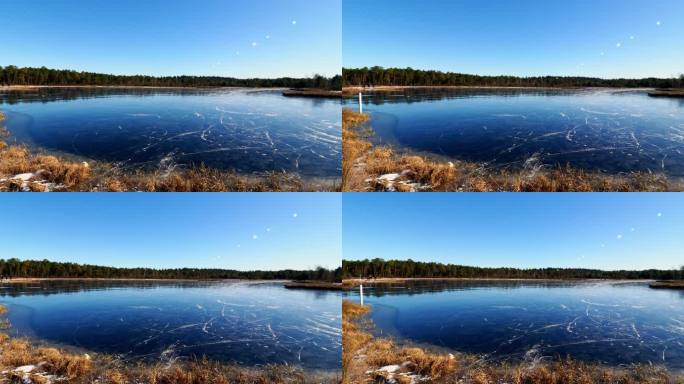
[
  {"x": 38, "y": 362},
  {"x": 369, "y": 358},
  {"x": 518, "y": 322},
  {"x": 248, "y": 324},
  {"x": 26, "y": 169},
  {"x": 372, "y": 168}
]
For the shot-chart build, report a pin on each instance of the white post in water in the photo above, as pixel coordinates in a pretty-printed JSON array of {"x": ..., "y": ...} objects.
[
  {"x": 361, "y": 292},
  {"x": 360, "y": 102}
]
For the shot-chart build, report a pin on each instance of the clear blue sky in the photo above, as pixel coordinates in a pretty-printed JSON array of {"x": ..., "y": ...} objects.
[
  {"x": 227, "y": 230},
  {"x": 236, "y": 38},
  {"x": 603, "y": 38},
  {"x": 594, "y": 230}
]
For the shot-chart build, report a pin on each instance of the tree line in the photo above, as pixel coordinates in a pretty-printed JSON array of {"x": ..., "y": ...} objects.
[
  {"x": 377, "y": 76},
  {"x": 12, "y": 75},
  {"x": 13, "y": 268},
  {"x": 378, "y": 268}
]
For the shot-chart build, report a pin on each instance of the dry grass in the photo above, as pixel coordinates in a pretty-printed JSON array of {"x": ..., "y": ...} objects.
[
  {"x": 204, "y": 179},
  {"x": 363, "y": 354},
  {"x": 65, "y": 175},
  {"x": 363, "y": 165},
  {"x": 353, "y": 146},
  {"x": 82, "y": 368},
  {"x": 355, "y": 337}
]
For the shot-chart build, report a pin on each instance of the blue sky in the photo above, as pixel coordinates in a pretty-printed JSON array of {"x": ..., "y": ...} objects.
[
  {"x": 594, "y": 230},
  {"x": 603, "y": 38},
  {"x": 236, "y": 38},
  {"x": 227, "y": 230}
]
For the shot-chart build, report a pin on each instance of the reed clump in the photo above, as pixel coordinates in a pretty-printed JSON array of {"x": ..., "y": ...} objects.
[{"x": 353, "y": 145}]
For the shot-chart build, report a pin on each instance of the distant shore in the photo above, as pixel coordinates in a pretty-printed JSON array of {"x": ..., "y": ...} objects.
[
  {"x": 667, "y": 92},
  {"x": 384, "y": 280},
  {"x": 286, "y": 283},
  {"x": 668, "y": 284},
  {"x": 29, "y": 87},
  {"x": 383, "y": 88},
  {"x": 312, "y": 92},
  {"x": 317, "y": 285}
]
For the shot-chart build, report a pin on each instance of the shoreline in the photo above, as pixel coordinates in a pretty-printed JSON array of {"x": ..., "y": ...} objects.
[
  {"x": 674, "y": 93},
  {"x": 313, "y": 93},
  {"x": 385, "y": 88},
  {"x": 26, "y": 168},
  {"x": 370, "y": 358},
  {"x": 368, "y": 167},
  {"x": 293, "y": 283},
  {"x": 668, "y": 284},
  {"x": 385, "y": 280},
  {"x": 316, "y": 285},
  {"x": 30, "y": 87},
  {"x": 33, "y": 360},
  {"x": 288, "y": 92}
]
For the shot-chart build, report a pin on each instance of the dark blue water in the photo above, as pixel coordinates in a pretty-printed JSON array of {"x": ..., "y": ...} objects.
[
  {"x": 611, "y": 131},
  {"x": 247, "y": 323},
  {"x": 620, "y": 323},
  {"x": 243, "y": 130}
]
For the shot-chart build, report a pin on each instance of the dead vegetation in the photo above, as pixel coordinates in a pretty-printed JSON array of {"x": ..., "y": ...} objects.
[
  {"x": 22, "y": 170},
  {"x": 353, "y": 147},
  {"x": 22, "y": 361},
  {"x": 368, "y": 168},
  {"x": 367, "y": 359}
]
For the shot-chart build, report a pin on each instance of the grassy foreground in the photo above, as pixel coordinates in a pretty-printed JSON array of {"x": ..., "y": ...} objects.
[
  {"x": 368, "y": 359},
  {"x": 368, "y": 168},
  {"x": 22, "y": 361},
  {"x": 23, "y": 170}
]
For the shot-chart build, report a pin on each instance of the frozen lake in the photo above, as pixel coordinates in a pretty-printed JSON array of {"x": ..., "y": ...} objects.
[
  {"x": 249, "y": 323},
  {"x": 610, "y": 322},
  {"x": 245, "y": 130},
  {"x": 613, "y": 131}
]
